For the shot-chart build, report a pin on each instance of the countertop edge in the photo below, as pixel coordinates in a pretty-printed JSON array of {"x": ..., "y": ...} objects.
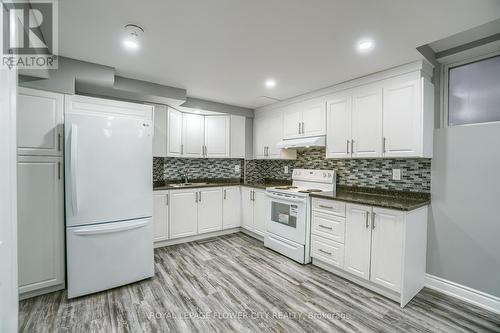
[{"x": 387, "y": 206}]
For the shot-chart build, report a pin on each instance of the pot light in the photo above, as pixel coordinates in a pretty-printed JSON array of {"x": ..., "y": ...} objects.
[
  {"x": 270, "y": 83},
  {"x": 133, "y": 34},
  {"x": 365, "y": 45}
]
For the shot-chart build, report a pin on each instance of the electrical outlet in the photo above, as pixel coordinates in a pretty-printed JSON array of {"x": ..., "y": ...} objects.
[
  {"x": 396, "y": 174},
  {"x": 237, "y": 168},
  {"x": 285, "y": 169}
]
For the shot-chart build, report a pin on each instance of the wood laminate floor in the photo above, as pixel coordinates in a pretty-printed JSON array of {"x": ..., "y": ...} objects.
[{"x": 233, "y": 284}]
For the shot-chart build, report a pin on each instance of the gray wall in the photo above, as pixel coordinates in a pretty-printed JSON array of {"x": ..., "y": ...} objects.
[{"x": 464, "y": 223}]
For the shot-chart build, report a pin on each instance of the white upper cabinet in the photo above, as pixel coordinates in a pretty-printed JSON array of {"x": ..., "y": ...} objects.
[
  {"x": 304, "y": 119},
  {"x": 339, "y": 127},
  {"x": 39, "y": 122},
  {"x": 240, "y": 137},
  {"x": 217, "y": 136},
  {"x": 367, "y": 123},
  {"x": 267, "y": 133},
  {"x": 160, "y": 130},
  {"x": 174, "y": 142},
  {"x": 193, "y": 128}
]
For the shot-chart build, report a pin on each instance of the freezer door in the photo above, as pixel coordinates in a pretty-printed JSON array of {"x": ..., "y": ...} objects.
[
  {"x": 108, "y": 158},
  {"x": 108, "y": 255}
]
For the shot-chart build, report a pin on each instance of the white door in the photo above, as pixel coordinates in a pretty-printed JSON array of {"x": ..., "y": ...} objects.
[
  {"x": 259, "y": 212},
  {"x": 8, "y": 205},
  {"x": 259, "y": 137},
  {"x": 183, "y": 213},
  {"x": 160, "y": 130},
  {"x": 292, "y": 123},
  {"x": 209, "y": 210},
  {"x": 160, "y": 216},
  {"x": 107, "y": 142},
  {"x": 217, "y": 136},
  {"x": 387, "y": 248},
  {"x": 174, "y": 142},
  {"x": 314, "y": 119},
  {"x": 39, "y": 122},
  {"x": 338, "y": 134},
  {"x": 231, "y": 207},
  {"x": 273, "y": 133},
  {"x": 357, "y": 240},
  {"x": 40, "y": 222},
  {"x": 367, "y": 123},
  {"x": 247, "y": 208},
  {"x": 402, "y": 119},
  {"x": 193, "y": 126}
]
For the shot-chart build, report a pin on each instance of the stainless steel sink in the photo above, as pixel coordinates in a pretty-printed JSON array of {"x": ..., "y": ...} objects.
[{"x": 187, "y": 184}]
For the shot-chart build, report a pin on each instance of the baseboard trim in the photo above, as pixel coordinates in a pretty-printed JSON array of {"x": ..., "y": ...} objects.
[
  {"x": 473, "y": 296},
  {"x": 188, "y": 239},
  {"x": 42, "y": 291}
]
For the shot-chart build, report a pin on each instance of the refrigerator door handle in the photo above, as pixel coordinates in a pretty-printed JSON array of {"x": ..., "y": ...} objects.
[
  {"x": 104, "y": 229},
  {"x": 74, "y": 168}
]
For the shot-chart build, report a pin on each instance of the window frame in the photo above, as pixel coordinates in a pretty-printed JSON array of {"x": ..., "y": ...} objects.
[{"x": 476, "y": 55}]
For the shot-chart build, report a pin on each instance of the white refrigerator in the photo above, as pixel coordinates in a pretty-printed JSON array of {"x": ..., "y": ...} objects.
[{"x": 108, "y": 190}]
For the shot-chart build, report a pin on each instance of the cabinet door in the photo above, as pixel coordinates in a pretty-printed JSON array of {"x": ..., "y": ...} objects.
[
  {"x": 314, "y": 119},
  {"x": 338, "y": 134},
  {"x": 174, "y": 142},
  {"x": 209, "y": 210},
  {"x": 387, "y": 248},
  {"x": 402, "y": 119},
  {"x": 292, "y": 123},
  {"x": 160, "y": 216},
  {"x": 259, "y": 137},
  {"x": 183, "y": 213},
  {"x": 231, "y": 205},
  {"x": 217, "y": 136},
  {"x": 274, "y": 134},
  {"x": 40, "y": 222},
  {"x": 160, "y": 131},
  {"x": 259, "y": 212},
  {"x": 367, "y": 124},
  {"x": 193, "y": 127},
  {"x": 39, "y": 122},
  {"x": 357, "y": 240},
  {"x": 247, "y": 208}
]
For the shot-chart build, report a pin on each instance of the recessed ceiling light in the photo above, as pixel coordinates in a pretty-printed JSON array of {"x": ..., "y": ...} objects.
[
  {"x": 365, "y": 45},
  {"x": 270, "y": 83},
  {"x": 133, "y": 33}
]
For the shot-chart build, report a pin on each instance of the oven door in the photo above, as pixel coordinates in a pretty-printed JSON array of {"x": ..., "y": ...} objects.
[{"x": 286, "y": 217}]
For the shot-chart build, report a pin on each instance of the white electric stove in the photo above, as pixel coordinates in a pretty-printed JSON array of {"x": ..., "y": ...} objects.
[{"x": 288, "y": 222}]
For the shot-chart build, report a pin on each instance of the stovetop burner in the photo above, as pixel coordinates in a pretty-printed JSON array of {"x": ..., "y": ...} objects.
[{"x": 311, "y": 190}]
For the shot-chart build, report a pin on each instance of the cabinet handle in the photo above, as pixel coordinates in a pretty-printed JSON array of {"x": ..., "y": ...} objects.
[
  {"x": 59, "y": 141},
  {"x": 324, "y": 226},
  {"x": 373, "y": 220},
  {"x": 166, "y": 200},
  {"x": 253, "y": 195},
  {"x": 352, "y": 146},
  {"x": 200, "y": 197},
  {"x": 347, "y": 146},
  {"x": 299, "y": 128},
  {"x": 196, "y": 199},
  {"x": 325, "y": 252},
  {"x": 303, "y": 128},
  {"x": 224, "y": 194},
  {"x": 327, "y": 207},
  {"x": 59, "y": 170},
  {"x": 383, "y": 144},
  {"x": 182, "y": 149},
  {"x": 367, "y": 224}
]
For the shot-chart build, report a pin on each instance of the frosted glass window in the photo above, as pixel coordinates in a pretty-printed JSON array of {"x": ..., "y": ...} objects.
[{"x": 474, "y": 92}]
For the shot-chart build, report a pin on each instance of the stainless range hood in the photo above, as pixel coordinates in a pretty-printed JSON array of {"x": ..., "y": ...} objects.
[{"x": 314, "y": 141}]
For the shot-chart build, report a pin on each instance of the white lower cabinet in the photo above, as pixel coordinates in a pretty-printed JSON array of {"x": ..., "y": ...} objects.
[
  {"x": 183, "y": 214},
  {"x": 209, "y": 210},
  {"x": 160, "y": 215},
  {"x": 231, "y": 207},
  {"x": 40, "y": 223},
  {"x": 253, "y": 210},
  {"x": 247, "y": 208},
  {"x": 381, "y": 249}
]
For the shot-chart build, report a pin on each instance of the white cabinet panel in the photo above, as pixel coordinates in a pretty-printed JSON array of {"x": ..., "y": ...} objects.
[
  {"x": 39, "y": 122},
  {"x": 247, "y": 208},
  {"x": 217, "y": 136},
  {"x": 174, "y": 142},
  {"x": 160, "y": 130},
  {"x": 314, "y": 119},
  {"x": 338, "y": 134},
  {"x": 259, "y": 212},
  {"x": 192, "y": 135},
  {"x": 387, "y": 248},
  {"x": 240, "y": 137},
  {"x": 231, "y": 205},
  {"x": 40, "y": 222},
  {"x": 259, "y": 137},
  {"x": 328, "y": 226},
  {"x": 183, "y": 214},
  {"x": 292, "y": 123},
  {"x": 160, "y": 216},
  {"x": 209, "y": 210},
  {"x": 402, "y": 119},
  {"x": 367, "y": 123},
  {"x": 274, "y": 134},
  {"x": 358, "y": 240},
  {"x": 328, "y": 251}
]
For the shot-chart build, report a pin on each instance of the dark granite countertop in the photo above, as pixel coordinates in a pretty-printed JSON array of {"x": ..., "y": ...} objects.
[
  {"x": 399, "y": 200},
  {"x": 164, "y": 186}
]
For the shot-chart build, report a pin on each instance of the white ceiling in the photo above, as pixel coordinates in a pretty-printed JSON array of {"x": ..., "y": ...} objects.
[{"x": 223, "y": 50}]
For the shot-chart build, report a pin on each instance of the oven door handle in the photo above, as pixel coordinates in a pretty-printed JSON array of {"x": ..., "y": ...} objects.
[{"x": 285, "y": 199}]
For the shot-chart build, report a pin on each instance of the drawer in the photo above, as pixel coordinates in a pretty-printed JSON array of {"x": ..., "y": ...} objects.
[
  {"x": 329, "y": 206},
  {"x": 328, "y": 251},
  {"x": 328, "y": 226}
]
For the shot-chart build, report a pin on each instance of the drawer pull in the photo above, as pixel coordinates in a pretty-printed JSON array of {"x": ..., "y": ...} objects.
[
  {"x": 326, "y": 207},
  {"x": 324, "y": 226},
  {"x": 325, "y": 252}
]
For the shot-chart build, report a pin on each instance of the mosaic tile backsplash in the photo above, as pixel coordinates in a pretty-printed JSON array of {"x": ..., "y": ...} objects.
[
  {"x": 372, "y": 173},
  {"x": 173, "y": 169}
]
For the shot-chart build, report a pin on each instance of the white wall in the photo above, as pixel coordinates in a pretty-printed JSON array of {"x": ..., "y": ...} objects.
[{"x": 464, "y": 222}]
